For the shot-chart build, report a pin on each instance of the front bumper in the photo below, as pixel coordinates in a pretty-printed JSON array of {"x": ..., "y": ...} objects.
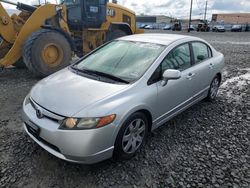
[
  {"x": 221, "y": 30},
  {"x": 79, "y": 146},
  {"x": 236, "y": 30}
]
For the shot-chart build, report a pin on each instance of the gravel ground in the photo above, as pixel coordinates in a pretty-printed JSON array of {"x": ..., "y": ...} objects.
[{"x": 206, "y": 146}]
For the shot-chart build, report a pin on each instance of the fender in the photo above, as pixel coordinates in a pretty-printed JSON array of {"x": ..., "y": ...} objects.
[
  {"x": 141, "y": 107},
  {"x": 122, "y": 26}
]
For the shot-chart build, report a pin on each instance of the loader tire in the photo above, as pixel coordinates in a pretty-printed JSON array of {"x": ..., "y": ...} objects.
[
  {"x": 45, "y": 52},
  {"x": 111, "y": 35}
]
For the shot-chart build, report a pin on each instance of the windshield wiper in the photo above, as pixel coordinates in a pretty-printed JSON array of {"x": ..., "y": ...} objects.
[
  {"x": 110, "y": 76},
  {"x": 98, "y": 74},
  {"x": 85, "y": 71}
]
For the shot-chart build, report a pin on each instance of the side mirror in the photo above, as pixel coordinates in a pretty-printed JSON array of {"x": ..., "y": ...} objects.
[
  {"x": 200, "y": 57},
  {"x": 170, "y": 74}
]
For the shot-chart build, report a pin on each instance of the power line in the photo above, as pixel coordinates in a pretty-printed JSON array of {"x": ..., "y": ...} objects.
[
  {"x": 197, "y": 3},
  {"x": 201, "y": 9}
]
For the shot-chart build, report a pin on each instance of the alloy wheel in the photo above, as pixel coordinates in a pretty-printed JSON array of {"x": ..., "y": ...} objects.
[
  {"x": 133, "y": 136},
  {"x": 214, "y": 88}
]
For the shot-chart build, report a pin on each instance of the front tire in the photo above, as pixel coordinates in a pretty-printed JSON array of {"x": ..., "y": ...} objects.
[
  {"x": 213, "y": 90},
  {"x": 45, "y": 52},
  {"x": 131, "y": 136}
]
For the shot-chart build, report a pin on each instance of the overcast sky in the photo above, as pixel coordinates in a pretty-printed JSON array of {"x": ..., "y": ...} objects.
[{"x": 180, "y": 8}]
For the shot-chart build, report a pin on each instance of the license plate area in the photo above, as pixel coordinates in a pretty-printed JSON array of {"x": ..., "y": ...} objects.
[{"x": 33, "y": 129}]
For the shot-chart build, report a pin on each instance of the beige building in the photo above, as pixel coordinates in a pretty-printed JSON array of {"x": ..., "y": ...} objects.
[
  {"x": 163, "y": 19},
  {"x": 153, "y": 19},
  {"x": 234, "y": 18}
]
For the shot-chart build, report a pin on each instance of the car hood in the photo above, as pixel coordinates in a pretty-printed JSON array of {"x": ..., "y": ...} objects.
[{"x": 66, "y": 93}]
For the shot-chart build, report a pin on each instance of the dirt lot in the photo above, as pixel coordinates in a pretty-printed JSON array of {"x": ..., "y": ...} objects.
[{"x": 205, "y": 146}]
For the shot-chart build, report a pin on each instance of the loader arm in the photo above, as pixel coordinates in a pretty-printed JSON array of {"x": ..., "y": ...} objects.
[
  {"x": 34, "y": 23},
  {"x": 7, "y": 31}
]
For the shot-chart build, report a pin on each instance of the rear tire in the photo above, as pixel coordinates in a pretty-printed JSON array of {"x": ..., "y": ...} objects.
[
  {"x": 131, "y": 137},
  {"x": 45, "y": 52},
  {"x": 112, "y": 35},
  {"x": 213, "y": 90}
]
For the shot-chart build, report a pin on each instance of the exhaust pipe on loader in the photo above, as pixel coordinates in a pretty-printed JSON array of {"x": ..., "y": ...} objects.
[{"x": 21, "y": 6}]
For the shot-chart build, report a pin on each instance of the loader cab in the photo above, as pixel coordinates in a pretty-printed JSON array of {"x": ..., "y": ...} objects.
[{"x": 85, "y": 13}]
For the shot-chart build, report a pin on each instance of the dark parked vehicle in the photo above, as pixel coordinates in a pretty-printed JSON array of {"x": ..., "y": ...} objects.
[
  {"x": 247, "y": 28},
  {"x": 236, "y": 28}
]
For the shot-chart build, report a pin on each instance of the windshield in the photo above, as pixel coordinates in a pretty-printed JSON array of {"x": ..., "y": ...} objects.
[
  {"x": 126, "y": 60},
  {"x": 70, "y": 2}
]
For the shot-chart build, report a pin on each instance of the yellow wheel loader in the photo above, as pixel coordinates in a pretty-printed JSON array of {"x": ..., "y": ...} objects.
[{"x": 46, "y": 37}]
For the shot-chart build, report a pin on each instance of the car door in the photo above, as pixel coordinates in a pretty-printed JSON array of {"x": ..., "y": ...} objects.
[
  {"x": 203, "y": 67},
  {"x": 176, "y": 94}
]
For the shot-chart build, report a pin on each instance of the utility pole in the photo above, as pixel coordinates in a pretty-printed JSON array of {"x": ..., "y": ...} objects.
[
  {"x": 205, "y": 15},
  {"x": 190, "y": 16}
]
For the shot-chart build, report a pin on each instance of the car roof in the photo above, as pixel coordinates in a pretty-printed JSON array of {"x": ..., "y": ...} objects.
[{"x": 163, "y": 39}]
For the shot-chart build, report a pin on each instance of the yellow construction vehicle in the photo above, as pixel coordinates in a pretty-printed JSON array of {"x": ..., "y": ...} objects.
[
  {"x": 203, "y": 26},
  {"x": 47, "y": 36},
  {"x": 176, "y": 25}
]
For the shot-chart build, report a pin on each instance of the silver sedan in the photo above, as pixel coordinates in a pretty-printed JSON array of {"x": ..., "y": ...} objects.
[{"x": 105, "y": 104}]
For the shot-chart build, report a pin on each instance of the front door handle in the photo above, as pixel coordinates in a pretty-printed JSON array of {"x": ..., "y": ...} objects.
[
  {"x": 211, "y": 65},
  {"x": 190, "y": 76}
]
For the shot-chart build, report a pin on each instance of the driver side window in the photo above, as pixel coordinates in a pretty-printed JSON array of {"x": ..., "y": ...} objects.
[{"x": 179, "y": 59}]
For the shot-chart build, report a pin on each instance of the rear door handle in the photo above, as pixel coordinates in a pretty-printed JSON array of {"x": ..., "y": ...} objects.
[
  {"x": 190, "y": 76},
  {"x": 211, "y": 65}
]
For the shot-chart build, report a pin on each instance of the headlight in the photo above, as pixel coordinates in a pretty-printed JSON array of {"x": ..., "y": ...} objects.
[
  {"x": 87, "y": 123},
  {"x": 58, "y": 8}
]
